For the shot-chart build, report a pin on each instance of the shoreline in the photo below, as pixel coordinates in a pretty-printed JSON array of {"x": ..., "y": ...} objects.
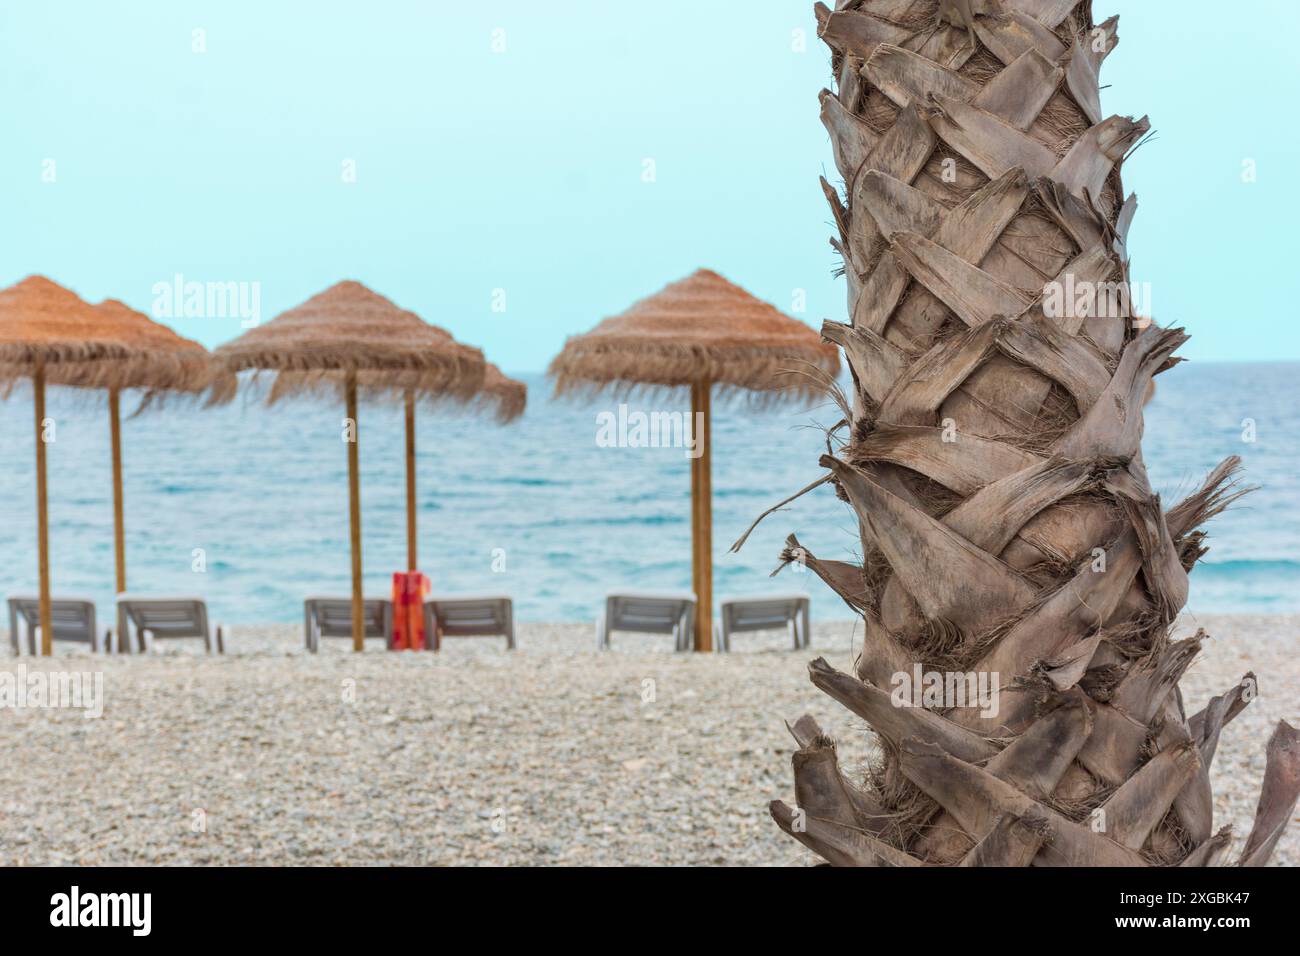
[{"x": 276, "y": 638}]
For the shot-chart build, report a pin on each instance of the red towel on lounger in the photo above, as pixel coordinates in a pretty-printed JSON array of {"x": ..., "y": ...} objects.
[{"x": 409, "y": 589}]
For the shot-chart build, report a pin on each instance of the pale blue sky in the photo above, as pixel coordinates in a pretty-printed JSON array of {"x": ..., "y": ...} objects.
[{"x": 522, "y": 170}]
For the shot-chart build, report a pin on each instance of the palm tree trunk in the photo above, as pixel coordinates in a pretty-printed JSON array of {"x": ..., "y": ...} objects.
[{"x": 993, "y": 460}]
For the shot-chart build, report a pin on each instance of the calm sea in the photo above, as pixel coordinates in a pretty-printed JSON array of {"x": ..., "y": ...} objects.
[{"x": 538, "y": 510}]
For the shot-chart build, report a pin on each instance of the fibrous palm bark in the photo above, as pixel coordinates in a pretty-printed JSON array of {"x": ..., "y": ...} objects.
[{"x": 992, "y": 456}]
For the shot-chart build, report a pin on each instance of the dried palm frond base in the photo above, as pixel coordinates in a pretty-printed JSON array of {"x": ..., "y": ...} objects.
[
  {"x": 993, "y": 460},
  {"x": 946, "y": 797}
]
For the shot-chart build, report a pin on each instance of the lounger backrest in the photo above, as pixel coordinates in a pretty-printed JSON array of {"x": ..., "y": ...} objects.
[
  {"x": 334, "y": 617},
  {"x": 169, "y": 618},
  {"x": 758, "y": 614},
  {"x": 470, "y": 616},
  {"x": 71, "y": 620},
  {"x": 648, "y": 615}
]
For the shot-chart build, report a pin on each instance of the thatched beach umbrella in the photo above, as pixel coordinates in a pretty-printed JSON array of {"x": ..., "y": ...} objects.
[
  {"x": 351, "y": 339},
  {"x": 49, "y": 334},
  {"x": 702, "y": 332}
]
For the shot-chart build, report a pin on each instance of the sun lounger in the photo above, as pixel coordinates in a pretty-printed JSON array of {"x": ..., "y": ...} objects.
[
  {"x": 764, "y": 613},
  {"x": 468, "y": 615},
  {"x": 648, "y": 612},
  {"x": 72, "y": 619},
  {"x": 332, "y": 617},
  {"x": 165, "y": 618}
]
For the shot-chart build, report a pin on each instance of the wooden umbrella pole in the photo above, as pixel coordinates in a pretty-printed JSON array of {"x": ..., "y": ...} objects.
[
  {"x": 42, "y": 513},
  {"x": 412, "y": 545},
  {"x": 119, "y": 518},
  {"x": 697, "y": 519},
  {"x": 702, "y": 514},
  {"x": 354, "y": 516},
  {"x": 696, "y": 497}
]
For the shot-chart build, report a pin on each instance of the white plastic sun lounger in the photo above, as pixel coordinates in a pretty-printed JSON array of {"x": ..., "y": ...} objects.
[
  {"x": 764, "y": 613},
  {"x": 72, "y": 619},
  {"x": 468, "y": 615},
  {"x": 165, "y": 618},
  {"x": 332, "y": 617},
  {"x": 648, "y": 612}
]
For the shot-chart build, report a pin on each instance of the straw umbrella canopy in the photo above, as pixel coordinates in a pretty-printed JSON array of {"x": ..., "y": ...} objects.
[
  {"x": 703, "y": 332},
  {"x": 49, "y": 334},
  {"x": 506, "y": 395},
  {"x": 352, "y": 339}
]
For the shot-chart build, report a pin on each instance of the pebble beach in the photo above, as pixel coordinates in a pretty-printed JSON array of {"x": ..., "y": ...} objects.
[{"x": 553, "y": 754}]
